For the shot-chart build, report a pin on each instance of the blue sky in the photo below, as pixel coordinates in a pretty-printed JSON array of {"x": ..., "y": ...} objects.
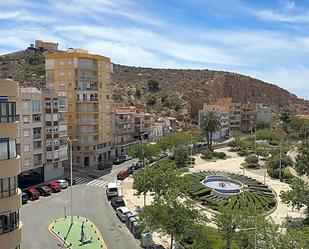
[{"x": 266, "y": 39}]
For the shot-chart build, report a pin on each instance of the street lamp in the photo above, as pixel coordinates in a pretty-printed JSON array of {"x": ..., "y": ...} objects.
[
  {"x": 248, "y": 229},
  {"x": 71, "y": 171}
]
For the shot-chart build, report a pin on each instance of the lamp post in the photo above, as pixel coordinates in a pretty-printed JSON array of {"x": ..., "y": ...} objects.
[
  {"x": 71, "y": 173},
  {"x": 280, "y": 163}
]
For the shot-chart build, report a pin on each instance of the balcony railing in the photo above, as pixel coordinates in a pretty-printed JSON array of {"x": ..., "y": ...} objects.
[
  {"x": 37, "y": 163},
  {"x": 87, "y": 131},
  {"x": 83, "y": 109},
  {"x": 37, "y": 136},
  {"x": 90, "y": 88},
  {"x": 87, "y": 121},
  {"x": 88, "y": 99}
]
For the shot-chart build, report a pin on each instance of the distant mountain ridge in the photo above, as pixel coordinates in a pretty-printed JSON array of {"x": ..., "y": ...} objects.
[{"x": 181, "y": 91}]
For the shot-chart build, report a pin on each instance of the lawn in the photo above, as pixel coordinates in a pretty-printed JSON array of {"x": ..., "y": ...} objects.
[{"x": 71, "y": 234}]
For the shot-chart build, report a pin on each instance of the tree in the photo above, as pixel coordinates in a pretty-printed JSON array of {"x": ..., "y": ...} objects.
[
  {"x": 174, "y": 140},
  {"x": 181, "y": 156},
  {"x": 161, "y": 178},
  {"x": 144, "y": 151},
  {"x": 210, "y": 124},
  {"x": 273, "y": 164},
  {"x": 151, "y": 100},
  {"x": 170, "y": 216},
  {"x": 285, "y": 116},
  {"x": 298, "y": 196},
  {"x": 302, "y": 160},
  {"x": 153, "y": 85},
  {"x": 262, "y": 124}
]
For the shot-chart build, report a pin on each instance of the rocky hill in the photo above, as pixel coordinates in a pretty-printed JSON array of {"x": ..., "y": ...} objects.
[{"x": 179, "y": 93}]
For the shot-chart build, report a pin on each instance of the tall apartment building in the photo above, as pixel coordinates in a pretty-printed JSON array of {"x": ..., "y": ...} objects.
[
  {"x": 223, "y": 117},
  {"x": 123, "y": 130},
  {"x": 263, "y": 112},
  {"x": 248, "y": 116},
  {"x": 10, "y": 195},
  {"x": 234, "y": 110},
  {"x": 85, "y": 79},
  {"x": 43, "y": 141}
]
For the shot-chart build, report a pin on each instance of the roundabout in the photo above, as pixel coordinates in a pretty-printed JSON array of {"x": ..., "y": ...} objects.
[{"x": 215, "y": 189}]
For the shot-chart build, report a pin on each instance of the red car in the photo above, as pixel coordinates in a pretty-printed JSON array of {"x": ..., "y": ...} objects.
[
  {"x": 33, "y": 194},
  {"x": 122, "y": 174},
  {"x": 55, "y": 187}
]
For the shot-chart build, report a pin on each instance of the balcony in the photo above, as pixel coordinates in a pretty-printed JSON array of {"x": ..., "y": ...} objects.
[
  {"x": 10, "y": 167},
  {"x": 37, "y": 162},
  {"x": 88, "y": 131},
  {"x": 87, "y": 121},
  {"x": 87, "y": 109},
  {"x": 37, "y": 136},
  {"x": 86, "y": 77},
  {"x": 92, "y": 99},
  {"x": 88, "y": 88},
  {"x": 12, "y": 239},
  {"x": 11, "y": 203}
]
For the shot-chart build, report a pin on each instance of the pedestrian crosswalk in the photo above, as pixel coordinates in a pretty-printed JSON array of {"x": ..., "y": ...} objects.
[
  {"x": 97, "y": 183},
  {"x": 89, "y": 182}
]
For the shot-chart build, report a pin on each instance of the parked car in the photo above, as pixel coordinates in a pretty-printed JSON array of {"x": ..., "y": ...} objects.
[
  {"x": 44, "y": 190},
  {"x": 122, "y": 174},
  {"x": 121, "y": 213},
  {"x": 24, "y": 198},
  {"x": 156, "y": 246},
  {"x": 55, "y": 187},
  {"x": 130, "y": 169},
  {"x": 128, "y": 157},
  {"x": 68, "y": 179},
  {"x": 119, "y": 160},
  {"x": 33, "y": 194},
  {"x": 117, "y": 202},
  {"x": 63, "y": 183},
  {"x": 111, "y": 190},
  {"x": 105, "y": 165}
]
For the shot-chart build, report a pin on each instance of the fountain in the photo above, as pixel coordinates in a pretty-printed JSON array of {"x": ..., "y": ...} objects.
[{"x": 223, "y": 185}]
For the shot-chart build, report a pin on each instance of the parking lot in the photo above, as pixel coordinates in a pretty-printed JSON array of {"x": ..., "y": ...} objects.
[{"x": 89, "y": 200}]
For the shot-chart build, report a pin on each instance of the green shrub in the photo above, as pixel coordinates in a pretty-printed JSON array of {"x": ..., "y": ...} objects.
[
  {"x": 207, "y": 154},
  {"x": 220, "y": 155},
  {"x": 252, "y": 159},
  {"x": 151, "y": 100},
  {"x": 163, "y": 97},
  {"x": 287, "y": 173},
  {"x": 153, "y": 85},
  {"x": 262, "y": 151},
  {"x": 244, "y": 152}
]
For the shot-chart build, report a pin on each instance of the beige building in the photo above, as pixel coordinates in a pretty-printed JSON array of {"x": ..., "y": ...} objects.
[
  {"x": 43, "y": 141},
  {"x": 85, "y": 79},
  {"x": 10, "y": 195},
  {"x": 223, "y": 117},
  {"x": 263, "y": 112}
]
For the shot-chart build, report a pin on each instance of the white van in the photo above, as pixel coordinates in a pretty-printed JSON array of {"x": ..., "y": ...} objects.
[{"x": 111, "y": 190}]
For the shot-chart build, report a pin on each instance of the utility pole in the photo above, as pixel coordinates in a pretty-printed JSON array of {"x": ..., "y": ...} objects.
[{"x": 71, "y": 171}]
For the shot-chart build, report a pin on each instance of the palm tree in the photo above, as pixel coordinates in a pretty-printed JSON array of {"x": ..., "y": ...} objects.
[{"x": 210, "y": 124}]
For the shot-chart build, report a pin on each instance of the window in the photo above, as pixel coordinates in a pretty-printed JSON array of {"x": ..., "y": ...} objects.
[
  {"x": 49, "y": 143},
  {"x": 55, "y": 129},
  {"x": 48, "y": 130},
  {"x": 61, "y": 74},
  {"x": 27, "y": 162},
  {"x": 26, "y": 147},
  {"x": 48, "y": 117},
  {"x": 36, "y": 105},
  {"x": 37, "y": 144},
  {"x": 49, "y": 155},
  {"x": 56, "y": 142},
  {"x": 7, "y": 148},
  {"x": 26, "y": 132},
  {"x": 62, "y": 84},
  {"x": 26, "y": 119},
  {"x": 61, "y": 63},
  {"x": 36, "y": 118},
  {"x": 9, "y": 222},
  {"x": 26, "y": 105},
  {"x": 7, "y": 112},
  {"x": 78, "y": 159},
  {"x": 107, "y": 96},
  {"x": 47, "y": 104},
  {"x": 37, "y": 159},
  {"x": 55, "y": 165},
  {"x": 55, "y": 104},
  {"x": 8, "y": 186}
]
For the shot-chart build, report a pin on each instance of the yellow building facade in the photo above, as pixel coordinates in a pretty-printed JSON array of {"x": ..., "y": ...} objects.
[
  {"x": 85, "y": 79},
  {"x": 10, "y": 194}
]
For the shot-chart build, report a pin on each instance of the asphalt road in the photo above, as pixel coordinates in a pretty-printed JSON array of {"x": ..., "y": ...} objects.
[{"x": 89, "y": 200}]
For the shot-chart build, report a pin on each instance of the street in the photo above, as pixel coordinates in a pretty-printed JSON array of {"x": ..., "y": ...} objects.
[{"x": 89, "y": 200}]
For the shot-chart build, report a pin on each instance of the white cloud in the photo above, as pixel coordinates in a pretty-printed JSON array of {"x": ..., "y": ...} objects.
[
  {"x": 271, "y": 15},
  {"x": 9, "y": 15}
]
